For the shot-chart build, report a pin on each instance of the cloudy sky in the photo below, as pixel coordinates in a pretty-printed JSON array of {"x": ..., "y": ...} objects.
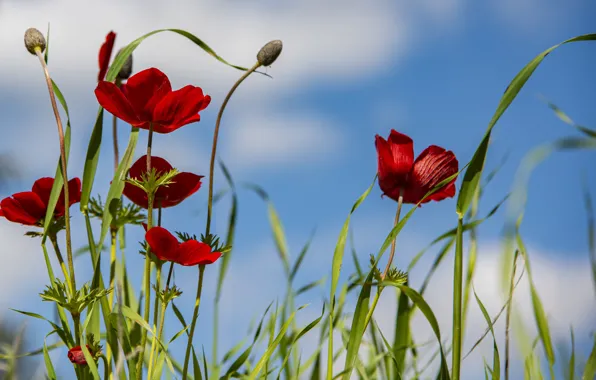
[{"x": 432, "y": 69}]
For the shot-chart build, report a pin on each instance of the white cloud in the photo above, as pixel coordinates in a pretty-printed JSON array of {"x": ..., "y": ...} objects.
[
  {"x": 274, "y": 139},
  {"x": 24, "y": 269}
]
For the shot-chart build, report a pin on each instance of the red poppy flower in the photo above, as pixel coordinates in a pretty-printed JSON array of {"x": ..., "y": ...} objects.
[
  {"x": 167, "y": 248},
  {"x": 76, "y": 356},
  {"x": 149, "y": 99},
  {"x": 105, "y": 52},
  {"x": 29, "y": 207},
  {"x": 399, "y": 172},
  {"x": 184, "y": 184}
]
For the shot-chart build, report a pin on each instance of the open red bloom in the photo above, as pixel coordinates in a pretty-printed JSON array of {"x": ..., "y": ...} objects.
[
  {"x": 398, "y": 172},
  {"x": 184, "y": 184},
  {"x": 105, "y": 52},
  {"x": 76, "y": 356},
  {"x": 167, "y": 248},
  {"x": 29, "y": 207},
  {"x": 149, "y": 100}
]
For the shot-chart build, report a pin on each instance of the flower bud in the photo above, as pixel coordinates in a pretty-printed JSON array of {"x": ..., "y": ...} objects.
[
  {"x": 34, "y": 40},
  {"x": 126, "y": 69},
  {"x": 269, "y": 53}
]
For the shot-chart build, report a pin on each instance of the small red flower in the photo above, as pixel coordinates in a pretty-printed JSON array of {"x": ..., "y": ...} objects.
[
  {"x": 149, "y": 99},
  {"x": 29, "y": 207},
  {"x": 167, "y": 248},
  {"x": 76, "y": 356},
  {"x": 105, "y": 52},
  {"x": 399, "y": 172},
  {"x": 184, "y": 184}
]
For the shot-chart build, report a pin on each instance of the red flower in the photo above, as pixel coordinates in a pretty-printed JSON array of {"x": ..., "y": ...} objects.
[
  {"x": 149, "y": 99},
  {"x": 184, "y": 184},
  {"x": 29, "y": 207},
  {"x": 76, "y": 356},
  {"x": 399, "y": 172},
  {"x": 105, "y": 52},
  {"x": 167, "y": 248}
]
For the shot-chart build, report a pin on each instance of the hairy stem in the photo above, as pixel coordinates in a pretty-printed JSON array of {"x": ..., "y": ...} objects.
[
  {"x": 63, "y": 166},
  {"x": 147, "y": 286},
  {"x": 194, "y": 322},
  {"x": 214, "y": 146},
  {"x": 392, "y": 252}
]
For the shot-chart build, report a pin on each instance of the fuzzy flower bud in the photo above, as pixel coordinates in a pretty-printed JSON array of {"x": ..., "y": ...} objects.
[
  {"x": 269, "y": 53},
  {"x": 126, "y": 69},
  {"x": 34, "y": 40}
]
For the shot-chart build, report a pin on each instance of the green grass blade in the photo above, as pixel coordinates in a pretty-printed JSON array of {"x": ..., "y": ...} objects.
[
  {"x": 338, "y": 256},
  {"x": 232, "y": 219},
  {"x": 591, "y": 230},
  {"x": 572, "y": 357},
  {"x": 539, "y": 313},
  {"x": 115, "y": 191},
  {"x": 272, "y": 346},
  {"x": 472, "y": 176},
  {"x": 496, "y": 370},
  {"x": 58, "y": 179},
  {"x": 301, "y": 256},
  {"x": 566, "y": 119},
  {"x": 590, "y": 368},
  {"x": 50, "y": 372},
  {"x": 46, "y": 54}
]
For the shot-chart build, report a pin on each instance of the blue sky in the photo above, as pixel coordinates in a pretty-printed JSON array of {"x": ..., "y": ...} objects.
[{"x": 433, "y": 70}]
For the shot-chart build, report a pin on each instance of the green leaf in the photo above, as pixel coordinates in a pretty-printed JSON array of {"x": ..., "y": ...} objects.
[
  {"x": 272, "y": 347},
  {"x": 116, "y": 187},
  {"x": 301, "y": 256},
  {"x": 58, "y": 179},
  {"x": 496, "y": 370},
  {"x": 338, "y": 256},
  {"x": 51, "y": 373},
  {"x": 472, "y": 176},
  {"x": 90, "y": 362},
  {"x": 566, "y": 119},
  {"x": 232, "y": 219},
  {"x": 590, "y": 368},
  {"x": 358, "y": 326}
]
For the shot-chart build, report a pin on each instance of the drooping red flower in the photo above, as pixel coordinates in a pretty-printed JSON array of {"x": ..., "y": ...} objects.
[
  {"x": 184, "y": 184},
  {"x": 29, "y": 207},
  {"x": 149, "y": 100},
  {"x": 76, "y": 356},
  {"x": 398, "y": 172},
  {"x": 105, "y": 52},
  {"x": 167, "y": 248}
]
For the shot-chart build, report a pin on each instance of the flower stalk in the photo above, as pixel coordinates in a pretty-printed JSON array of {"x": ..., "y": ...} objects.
[
  {"x": 38, "y": 52},
  {"x": 194, "y": 321}
]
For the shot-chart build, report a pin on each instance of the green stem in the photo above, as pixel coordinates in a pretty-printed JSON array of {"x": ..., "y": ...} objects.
[
  {"x": 214, "y": 145},
  {"x": 155, "y": 318},
  {"x": 76, "y": 318},
  {"x": 114, "y": 235},
  {"x": 115, "y": 134},
  {"x": 107, "y": 367},
  {"x": 508, "y": 316},
  {"x": 457, "y": 302},
  {"x": 194, "y": 321},
  {"x": 147, "y": 286},
  {"x": 392, "y": 252},
  {"x": 63, "y": 166},
  {"x": 61, "y": 261}
]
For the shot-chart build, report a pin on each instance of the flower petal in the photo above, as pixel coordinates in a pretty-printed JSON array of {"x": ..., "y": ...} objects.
[
  {"x": 105, "y": 53},
  {"x": 140, "y": 166},
  {"x": 163, "y": 244},
  {"x": 25, "y": 208},
  {"x": 394, "y": 158},
  {"x": 113, "y": 100},
  {"x": 74, "y": 196},
  {"x": 145, "y": 89},
  {"x": 434, "y": 165},
  {"x": 43, "y": 187},
  {"x": 184, "y": 185},
  {"x": 179, "y": 106},
  {"x": 193, "y": 252}
]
